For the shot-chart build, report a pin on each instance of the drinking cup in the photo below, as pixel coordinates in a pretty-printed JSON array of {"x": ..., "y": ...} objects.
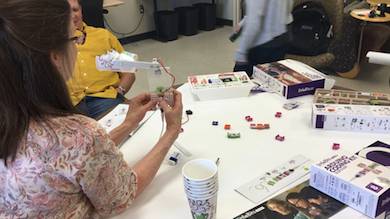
[
  {"x": 203, "y": 207},
  {"x": 200, "y": 171}
]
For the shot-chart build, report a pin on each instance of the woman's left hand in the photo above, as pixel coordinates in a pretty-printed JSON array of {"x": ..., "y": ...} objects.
[{"x": 138, "y": 107}]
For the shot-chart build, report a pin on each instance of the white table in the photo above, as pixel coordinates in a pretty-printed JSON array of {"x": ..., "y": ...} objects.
[{"x": 241, "y": 159}]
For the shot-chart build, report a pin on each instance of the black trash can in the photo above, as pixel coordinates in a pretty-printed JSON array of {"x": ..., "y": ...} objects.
[
  {"x": 188, "y": 20},
  {"x": 168, "y": 25},
  {"x": 207, "y": 16}
]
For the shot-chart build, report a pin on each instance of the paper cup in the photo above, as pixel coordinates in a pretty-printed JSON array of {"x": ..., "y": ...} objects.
[
  {"x": 200, "y": 171},
  {"x": 201, "y": 182},
  {"x": 189, "y": 184},
  {"x": 203, "y": 208},
  {"x": 202, "y": 194},
  {"x": 200, "y": 189}
]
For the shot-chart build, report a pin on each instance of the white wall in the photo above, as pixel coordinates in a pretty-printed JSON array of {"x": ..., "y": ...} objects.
[{"x": 125, "y": 18}]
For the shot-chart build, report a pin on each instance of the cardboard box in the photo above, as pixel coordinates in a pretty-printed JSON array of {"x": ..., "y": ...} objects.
[
  {"x": 220, "y": 86},
  {"x": 360, "y": 183},
  {"x": 351, "y": 111},
  {"x": 290, "y": 78},
  {"x": 359, "y": 118},
  {"x": 378, "y": 152}
]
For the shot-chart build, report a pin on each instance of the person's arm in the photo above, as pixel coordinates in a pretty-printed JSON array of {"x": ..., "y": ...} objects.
[
  {"x": 127, "y": 80},
  {"x": 105, "y": 177},
  {"x": 138, "y": 107},
  {"x": 148, "y": 166},
  {"x": 252, "y": 28},
  {"x": 98, "y": 166}
]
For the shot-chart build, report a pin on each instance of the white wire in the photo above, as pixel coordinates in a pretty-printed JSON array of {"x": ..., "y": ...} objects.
[{"x": 162, "y": 122}]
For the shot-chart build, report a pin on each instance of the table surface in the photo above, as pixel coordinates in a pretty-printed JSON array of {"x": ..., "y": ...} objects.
[
  {"x": 242, "y": 159},
  {"x": 366, "y": 18},
  {"x": 378, "y": 2},
  {"x": 110, "y": 3}
]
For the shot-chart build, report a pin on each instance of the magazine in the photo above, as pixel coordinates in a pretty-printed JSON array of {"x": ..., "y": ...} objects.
[{"x": 299, "y": 202}]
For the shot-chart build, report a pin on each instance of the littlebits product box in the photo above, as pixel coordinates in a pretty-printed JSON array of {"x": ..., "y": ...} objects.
[
  {"x": 220, "y": 86},
  {"x": 290, "y": 78},
  {"x": 361, "y": 184},
  {"x": 351, "y": 111},
  {"x": 357, "y": 118},
  {"x": 378, "y": 152}
]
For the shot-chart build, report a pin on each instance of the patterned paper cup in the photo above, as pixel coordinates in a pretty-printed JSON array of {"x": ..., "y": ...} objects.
[
  {"x": 200, "y": 171},
  {"x": 203, "y": 208},
  {"x": 201, "y": 182},
  {"x": 189, "y": 184},
  {"x": 201, "y": 194},
  {"x": 202, "y": 188}
]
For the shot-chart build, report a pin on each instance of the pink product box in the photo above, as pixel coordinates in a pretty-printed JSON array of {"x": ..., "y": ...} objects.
[
  {"x": 291, "y": 78},
  {"x": 362, "y": 184}
]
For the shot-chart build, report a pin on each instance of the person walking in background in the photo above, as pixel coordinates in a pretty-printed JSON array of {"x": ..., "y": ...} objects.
[
  {"x": 266, "y": 33},
  {"x": 93, "y": 91}
]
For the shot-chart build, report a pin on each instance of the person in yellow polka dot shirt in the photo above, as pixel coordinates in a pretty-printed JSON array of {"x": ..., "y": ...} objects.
[{"x": 93, "y": 91}]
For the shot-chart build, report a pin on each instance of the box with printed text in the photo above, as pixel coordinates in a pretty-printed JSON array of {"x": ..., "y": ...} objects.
[
  {"x": 362, "y": 184},
  {"x": 290, "y": 78},
  {"x": 346, "y": 110},
  {"x": 357, "y": 118},
  {"x": 220, "y": 86}
]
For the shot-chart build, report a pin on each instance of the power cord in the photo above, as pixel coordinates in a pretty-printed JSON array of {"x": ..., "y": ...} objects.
[
  {"x": 123, "y": 34},
  {"x": 173, "y": 77}
]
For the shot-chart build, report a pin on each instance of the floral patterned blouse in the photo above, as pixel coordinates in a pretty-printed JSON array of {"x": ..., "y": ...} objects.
[{"x": 66, "y": 168}]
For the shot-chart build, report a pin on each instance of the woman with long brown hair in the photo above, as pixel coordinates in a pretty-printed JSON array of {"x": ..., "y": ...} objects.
[{"x": 55, "y": 162}]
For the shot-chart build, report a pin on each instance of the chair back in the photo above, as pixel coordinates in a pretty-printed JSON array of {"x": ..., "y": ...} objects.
[
  {"x": 335, "y": 10},
  {"x": 93, "y": 12}
]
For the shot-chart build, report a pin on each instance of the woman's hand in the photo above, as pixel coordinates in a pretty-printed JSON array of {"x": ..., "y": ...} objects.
[
  {"x": 173, "y": 115},
  {"x": 147, "y": 167},
  {"x": 138, "y": 107},
  {"x": 237, "y": 29}
]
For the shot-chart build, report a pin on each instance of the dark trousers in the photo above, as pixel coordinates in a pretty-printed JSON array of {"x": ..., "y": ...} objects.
[
  {"x": 95, "y": 106},
  {"x": 261, "y": 55}
]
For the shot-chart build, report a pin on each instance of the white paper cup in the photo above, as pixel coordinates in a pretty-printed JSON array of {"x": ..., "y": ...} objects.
[
  {"x": 200, "y": 171},
  {"x": 202, "y": 194},
  {"x": 203, "y": 208},
  {"x": 188, "y": 184},
  {"x": 200, "y": 189},
  {"x": 201, "y": 182}
]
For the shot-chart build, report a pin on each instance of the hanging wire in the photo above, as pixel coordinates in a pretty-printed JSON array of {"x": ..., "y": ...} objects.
[{"x": 123, "y": 34}]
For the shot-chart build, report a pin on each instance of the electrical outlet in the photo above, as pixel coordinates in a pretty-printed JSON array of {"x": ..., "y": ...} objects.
[{"x": 141, "y": 9}]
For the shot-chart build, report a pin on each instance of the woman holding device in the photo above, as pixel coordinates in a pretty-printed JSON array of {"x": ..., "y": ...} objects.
[{"x": 55, "y": 162}]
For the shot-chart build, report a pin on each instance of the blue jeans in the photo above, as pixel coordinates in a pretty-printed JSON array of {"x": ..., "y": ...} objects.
[
  {"x": 261, "y": 55},
  {"x": 95, "y": 106}
]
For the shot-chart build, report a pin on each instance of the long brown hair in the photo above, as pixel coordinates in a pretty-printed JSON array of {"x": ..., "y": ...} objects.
[{"x": 31, "y": 86}]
